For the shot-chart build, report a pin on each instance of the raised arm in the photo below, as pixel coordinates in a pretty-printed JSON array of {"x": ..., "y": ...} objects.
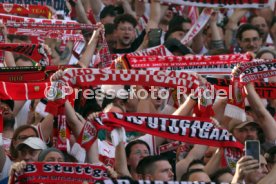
[
  {"x": 155, "y": 15},
  {"x": 217, "y": 41},
  {"x": 90, "y": 48},
  {"x": 81, "y": 13},
  {"x": 195, "y": 154},
  {"x": 96, "y": 6},
  {"x": 266, "y": 121},
  {"x": 8, "y": 56},
  {"x": 232, "y": 26}
]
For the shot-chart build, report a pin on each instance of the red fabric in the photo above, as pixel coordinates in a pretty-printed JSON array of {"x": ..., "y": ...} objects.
[
  {"x": 49, "y": 172},
  {"x": 256, "y": 70},
  {"x": 205, "y": 102},
  {"x": 25, "y": 10},
  {"x": 103, "y": 51},
  {"x": 53, "y": 106},
  {"x": 90, "y": 16},
  {"x": 225, "y": 4},
  {"x": 181, "y": 61},
  {"x": 36, "y": 52},
  {"x": 198, "y": 26},
  {"x": 29, "y": 74},
  {"x": 51, "y": 25},
  {"x": 88, "y": 77},
  {"x": 185, "y": 129},
  {"x": 264, "y": 89},
  {"x": 87, "y": 136}
]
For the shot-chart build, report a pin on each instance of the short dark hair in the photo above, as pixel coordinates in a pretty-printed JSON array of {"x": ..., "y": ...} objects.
[
  {"x": 178, "y": 20},
  {"x": 172, "y": 30},
  {"x": 10, "y": 103},
  {"x": 108, "y": 11},
  {"x": 109, "y": 28},
  {"x": 194, "y": 162},
  {"x": 219, "y": 173},
  {"x": 125, "y": 18},
  {"x": 132, "y": 143},
  {"x": 246, "y": 27},
  {"x": 185, "y": 177},
  {"x": 273, "y": 21},
  {"x": 145, "y": 166}
]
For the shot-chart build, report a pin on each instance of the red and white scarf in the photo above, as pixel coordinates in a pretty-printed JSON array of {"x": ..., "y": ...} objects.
[
  {"x": 90, "y": 77},
  {"x": 51, "y": 172},
  {"x": 216, "y": 4},
  {"x": 87, "y": 77},
  {"x": 58, "y": 5},
  {"x": 36, "y": 52},
  {"x": 13, "y": 18},
  {"x": 198, "y": 26},
  {"x": 247, "y": 72},
  {"x": 120, "y": 61},
  {"x": 264, "y": 89},
  {"x": 49, "y": 25},
  {"x": 29, "y": 73},
  {"x": 25, "y": 10},
  {"x": 185, "y": 129},
  {"x": 181, "y": 61},
  {"x": 34, "y": 30}
]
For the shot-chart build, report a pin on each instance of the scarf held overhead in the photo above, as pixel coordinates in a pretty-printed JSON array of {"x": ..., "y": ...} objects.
[
  {"x": 59, "y": 5},
  {"x": 245, "y": 73},
  {"x": 25, "y": 10},
  {"x": 90, "y": 77},
  {"x": 180, "y": 61},
  {"x": 86, "y": 77},
  {"x": 49, "y": 172},
  {"x": 216, "y": 4},
  {"x": 36, "y": 52},
  {"x": 185, "y": 129}
]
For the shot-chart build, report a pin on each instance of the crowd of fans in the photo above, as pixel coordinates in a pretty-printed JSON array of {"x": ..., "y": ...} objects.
[{"x": 130, "y": 26}]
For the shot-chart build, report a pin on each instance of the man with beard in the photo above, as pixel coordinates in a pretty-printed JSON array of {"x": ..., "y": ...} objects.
[
  {"x": 246, "y": 130},
  {"x": 125, "y": 31}
]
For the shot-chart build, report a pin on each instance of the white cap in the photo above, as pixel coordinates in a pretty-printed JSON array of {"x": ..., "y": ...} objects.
[{"x": 33, "y": 142}]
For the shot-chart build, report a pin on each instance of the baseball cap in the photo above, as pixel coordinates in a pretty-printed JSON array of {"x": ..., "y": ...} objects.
[
  {"x": 237, "y": 124},
  {"x": 33, "y": 142}
]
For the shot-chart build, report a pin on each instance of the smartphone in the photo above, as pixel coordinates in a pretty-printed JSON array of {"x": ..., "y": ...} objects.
[
  {"x": 154, "y": 37},
  {"x": 252, "y": 148}
]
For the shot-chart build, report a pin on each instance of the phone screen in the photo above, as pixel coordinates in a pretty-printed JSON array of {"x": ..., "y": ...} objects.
[{"x": 252, "y": 148}]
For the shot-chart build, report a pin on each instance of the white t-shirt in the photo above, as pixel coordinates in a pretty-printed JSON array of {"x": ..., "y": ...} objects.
[
  {"x": 6, "y": 168},
  {"x": 22, "y": 115},
  {"x": 106, "y": 153}
]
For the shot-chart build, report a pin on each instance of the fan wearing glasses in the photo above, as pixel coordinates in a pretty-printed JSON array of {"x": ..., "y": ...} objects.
[{"x": 249, "y": 38}]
